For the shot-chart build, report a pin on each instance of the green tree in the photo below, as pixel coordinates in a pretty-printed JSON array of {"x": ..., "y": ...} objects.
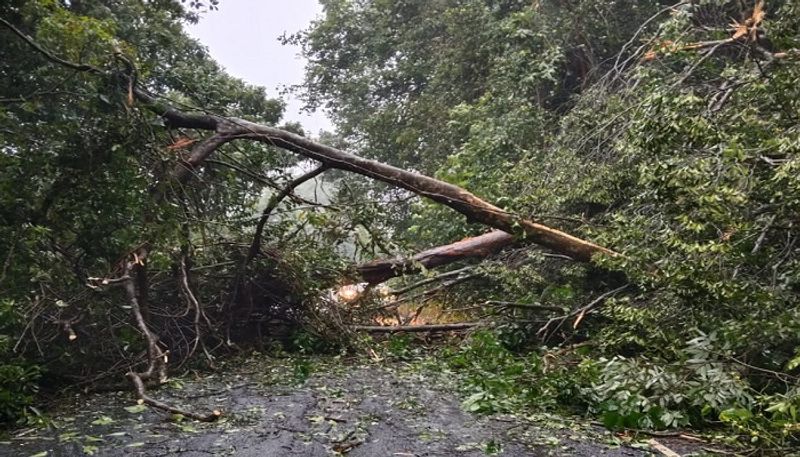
[
  {"x": 660, "y": 130},
  {"x": 77, "y": 171}
]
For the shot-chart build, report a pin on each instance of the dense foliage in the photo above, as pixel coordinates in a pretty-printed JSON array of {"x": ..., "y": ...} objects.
[
  {"x": 79, "y": 166},
  {"x": 668, "y": 132}
]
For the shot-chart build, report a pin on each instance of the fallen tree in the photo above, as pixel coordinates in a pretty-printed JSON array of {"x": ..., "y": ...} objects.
[
  {"x": 475, "y": 209},
  {"x": 378, "y": 271},
  {"x": 131, "y": 270},
  {"x": 227, "y": 129}
]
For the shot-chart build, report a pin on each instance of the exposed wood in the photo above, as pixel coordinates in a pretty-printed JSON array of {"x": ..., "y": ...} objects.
[
  {"x": 416, "y": 328},
  {"x": 200, "y": 152},
  {"x": 663, "y": 450},
  {"x": 378, "y": 271}
]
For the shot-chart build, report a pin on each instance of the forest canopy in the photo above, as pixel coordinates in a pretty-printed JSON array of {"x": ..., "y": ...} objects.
[{"x": 638, "y": 161}]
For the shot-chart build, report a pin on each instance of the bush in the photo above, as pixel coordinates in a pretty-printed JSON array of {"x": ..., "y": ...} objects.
[
  {"x": 702, "y": 389},
  {"x": 495, "y": 379},
  {"x": 18, "y": 379},
  {"x": 18, "y": 387},
  {"x": 643, "y": 394}
]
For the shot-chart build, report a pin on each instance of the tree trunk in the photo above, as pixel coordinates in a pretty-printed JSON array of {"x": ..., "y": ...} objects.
[
  {"x": 474, "y": 208},
  {"x": 227, "y": 129},
  {"x": 378, "y": 271}
]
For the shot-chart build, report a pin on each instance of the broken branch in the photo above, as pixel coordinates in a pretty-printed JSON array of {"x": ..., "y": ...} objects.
[{"x": 481, "y": 246}]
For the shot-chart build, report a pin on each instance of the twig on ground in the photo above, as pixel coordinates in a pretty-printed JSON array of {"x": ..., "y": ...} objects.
[
  {"x": 662, "y": 449},
  {"x": 138, "y": 384}
]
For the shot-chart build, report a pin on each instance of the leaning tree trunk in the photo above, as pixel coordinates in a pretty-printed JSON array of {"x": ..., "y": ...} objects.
[
  {"x": 227, "y": 129},
  {"x": 474, "y": 208},
  {"x": 378, "y": 271}
]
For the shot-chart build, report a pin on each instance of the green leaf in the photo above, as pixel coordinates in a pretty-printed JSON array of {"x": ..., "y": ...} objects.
[
  {"x": 136, "y": 409},
  {"x": 103, "y": 420},
  {"x": 612, "y": 419},
  {"x": 473, "y": 402},
  {"x": 735, "y": 415},
  {"x": 793, "y": 363}
]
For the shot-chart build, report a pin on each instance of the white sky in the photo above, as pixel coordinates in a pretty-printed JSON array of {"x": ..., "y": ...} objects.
[{"x": 243, "y": 37}]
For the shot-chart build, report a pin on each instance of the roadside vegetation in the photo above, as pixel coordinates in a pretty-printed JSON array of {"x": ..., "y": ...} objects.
[{"x": 638, "y": 159}]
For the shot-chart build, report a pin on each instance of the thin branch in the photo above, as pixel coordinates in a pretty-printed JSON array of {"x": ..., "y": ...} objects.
[
  {"x": 416, "y": 328},
  {"x": 156, "y": 358},
  {"x": 138, "y": 384},
  {"x": 273, "y": 203},
  {"x": 10, "y": 255},
  {"x": 545, "y": 333},
  {"x": 198, "y": 313},
  {"x": 763, "y": 235},
  {"x": 428, "y": 294},
  {"x": 48, "y": 54},
  {"x": 427, "y": 281}
]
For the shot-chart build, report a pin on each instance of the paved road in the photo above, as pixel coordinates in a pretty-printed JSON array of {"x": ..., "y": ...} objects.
[{"x": 358, "y": 410}]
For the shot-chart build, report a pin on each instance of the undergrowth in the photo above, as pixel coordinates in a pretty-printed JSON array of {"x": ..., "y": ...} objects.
[{"x": 703, "y": 393}]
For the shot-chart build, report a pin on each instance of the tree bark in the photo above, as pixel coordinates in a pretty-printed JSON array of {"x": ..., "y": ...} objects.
[
  {"x": 378, "y": 271},
  {"x": 474, "y": 208}
]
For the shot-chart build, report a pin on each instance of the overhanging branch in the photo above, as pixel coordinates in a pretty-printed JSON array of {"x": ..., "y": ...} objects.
[{"x": 474, "y": 208}]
